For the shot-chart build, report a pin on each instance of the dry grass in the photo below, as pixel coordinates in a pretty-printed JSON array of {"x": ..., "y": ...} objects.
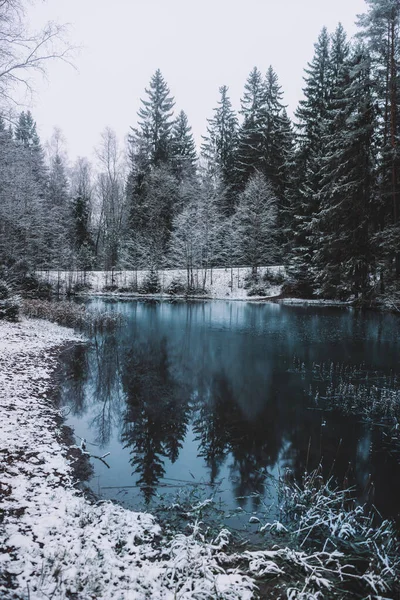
[{"x": 71, "y": 314}]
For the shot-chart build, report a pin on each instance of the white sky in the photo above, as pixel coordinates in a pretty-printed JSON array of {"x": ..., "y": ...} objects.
[{"x": 199, "y": 45}]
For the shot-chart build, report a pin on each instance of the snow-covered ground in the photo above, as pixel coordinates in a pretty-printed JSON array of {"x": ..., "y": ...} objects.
[
  {"x": 222, "y": 283},
  {"x": 54, "y": 543}
]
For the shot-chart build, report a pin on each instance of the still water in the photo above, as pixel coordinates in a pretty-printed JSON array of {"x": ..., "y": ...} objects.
[{"x": 226, "y": 395}]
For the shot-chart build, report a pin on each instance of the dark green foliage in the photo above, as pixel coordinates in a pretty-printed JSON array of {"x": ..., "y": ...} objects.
[
  {"x": 151, "y": 283},
  {"x": 9, "y": 304},
  {"x": 183, "y": 148},
  {"x": 176, "y": 287},
  {"x": 343, "y": 256},
  {"x": 151, "y": 141},
  {"x": 254, "y": 223},
  {"x": 273, "y": 278},
  {"x": 219, "y": 148}
]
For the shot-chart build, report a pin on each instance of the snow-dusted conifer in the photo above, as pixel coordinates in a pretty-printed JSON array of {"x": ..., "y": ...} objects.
[{"x": 254, "y": 223}]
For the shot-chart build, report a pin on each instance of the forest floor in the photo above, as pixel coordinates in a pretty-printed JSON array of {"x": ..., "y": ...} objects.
[{"x": 54, "y": 542}]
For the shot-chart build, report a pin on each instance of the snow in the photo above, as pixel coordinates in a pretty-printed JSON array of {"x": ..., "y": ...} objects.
[
  {"x": 220, "y": 288},
  {"x": 54, "y": 542}
]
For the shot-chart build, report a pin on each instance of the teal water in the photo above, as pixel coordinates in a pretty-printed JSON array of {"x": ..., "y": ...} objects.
[{"x": 222, "y": 394}]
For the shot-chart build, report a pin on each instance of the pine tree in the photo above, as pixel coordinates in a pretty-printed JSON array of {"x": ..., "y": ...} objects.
[
  {"x": 343, "y": 259},
  {"x": 380, "y": 28},
  {"x": 219, "y": 147},
  {"x": 151, "y": 140},
  {"x": 183, "y": 148},
  {"x": 254, "y": 223},
  {"x": 250, "y": 136},
  {"x": 25, "y": 131},
  {"x": 311, "y": 118},
  {"x": 81, "y": 234},
  {"x": 26, "y": 135}
]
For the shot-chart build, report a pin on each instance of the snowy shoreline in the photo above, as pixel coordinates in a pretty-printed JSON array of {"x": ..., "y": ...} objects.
[{"x": 55, "y": 542}]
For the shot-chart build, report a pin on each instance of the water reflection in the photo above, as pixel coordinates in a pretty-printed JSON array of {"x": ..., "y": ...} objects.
[
  {"x": 207, "y": 391},
  {"x": 156, "y": 414}
]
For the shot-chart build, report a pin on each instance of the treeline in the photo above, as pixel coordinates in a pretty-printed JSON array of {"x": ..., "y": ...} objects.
[{"x": 319, "y": 194}]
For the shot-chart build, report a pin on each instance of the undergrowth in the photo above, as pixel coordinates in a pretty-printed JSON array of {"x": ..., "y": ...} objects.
[{"x": 70, "y": 314}]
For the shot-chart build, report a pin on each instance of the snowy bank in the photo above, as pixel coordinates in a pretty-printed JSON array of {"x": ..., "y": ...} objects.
[
  {"x": 54, "y": 542},
  {"x": 220, "y": 283}
]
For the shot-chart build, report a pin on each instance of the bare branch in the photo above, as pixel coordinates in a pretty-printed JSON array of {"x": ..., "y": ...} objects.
[{"x": 23, "y": 52}]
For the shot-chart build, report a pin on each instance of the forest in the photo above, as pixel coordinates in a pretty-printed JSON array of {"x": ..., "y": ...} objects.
[{"x": 317, "y": 193}]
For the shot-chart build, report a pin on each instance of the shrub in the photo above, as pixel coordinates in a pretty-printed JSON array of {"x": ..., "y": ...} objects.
[
  {"x": 257, "y": 290},
  {"x": 176, "y": 287},
  {"x": 71, "y": 314},
  {"x": 80, "y": 287},
  {"x": 151, "y": 283},
  {"x": 110, "y": 288},
  {"x": 297, "y": 289},
  {"x": 273, "y": 278},
  {"x": 9, "y": 304},
  {"x": 195, "y": 291},
  {"x": 251, "y": 280}
]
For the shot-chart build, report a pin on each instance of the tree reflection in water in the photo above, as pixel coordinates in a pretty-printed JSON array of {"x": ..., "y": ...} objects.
[
  {"x": 212, "y": 388},
  {"x": 156, "y": 415}
]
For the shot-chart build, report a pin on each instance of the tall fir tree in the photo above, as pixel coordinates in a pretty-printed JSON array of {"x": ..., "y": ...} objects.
[
  {"x": 250, "y": 135},
  {"x": 219, "y": 147},
  {"x": 311, "y": 118},
  {"x": 183, "y": 148},
  {"x": 380, "y": 27},
  {"x": 151, "y": 140},
  {"x": 255, "y": 222},
  {"x": 343, "y": 258}
]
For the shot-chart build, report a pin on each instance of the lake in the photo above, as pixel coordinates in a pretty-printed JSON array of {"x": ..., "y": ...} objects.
[{"x": 222, "y": 398}]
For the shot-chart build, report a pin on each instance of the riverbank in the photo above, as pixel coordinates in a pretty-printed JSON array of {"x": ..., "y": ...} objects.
[{"x": 56, "y": 543}]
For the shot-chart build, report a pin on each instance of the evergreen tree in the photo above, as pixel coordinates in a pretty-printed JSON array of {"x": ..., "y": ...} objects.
[
  {"x": 183, "y": 148},
  {"x": 151, "y": 215},
  {"x": 25, "y": 131},
  {"x": 254, "y": 223},
  {"x": 250, "y": 136},
  {"x": 58, "y": 241},
  {"x": 380, "y": 29},
  {"x": 82, "y": 237},
  {"x": 343, "y": 259},
  {"x": 219, "y": 147},
  {"x": 311, "y": 118},
  {"x": 23, "y": 215},
  {"x": 151, "y": 140}
]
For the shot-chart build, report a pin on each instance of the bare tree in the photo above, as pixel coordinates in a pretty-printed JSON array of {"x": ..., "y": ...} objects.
[
  {"x": 24, "y": 53},
  {"x": 111, "y": 197}
]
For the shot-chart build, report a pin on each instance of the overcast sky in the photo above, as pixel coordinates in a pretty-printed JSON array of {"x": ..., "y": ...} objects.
[{"x": 199, "y": 45}]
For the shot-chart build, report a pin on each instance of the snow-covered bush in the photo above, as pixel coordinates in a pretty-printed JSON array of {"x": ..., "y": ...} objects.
[
  {"x": 71, "y": 315},
  {"x": 327, "y": 546},
  {"x": 151, "y": 283},
  {"x": 176, "y": 287},
  {"x": 257, "y": 290},
  {"x": 273, "y": 278}
]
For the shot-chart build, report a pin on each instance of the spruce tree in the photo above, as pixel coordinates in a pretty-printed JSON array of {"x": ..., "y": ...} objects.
[
  {"x": 183, "y": 148},
  {"x": 151, "y": 140},
  {"x": 254, "y": 223},
  {"x": 219, "y": 147},
  {"x": 380, "y": 27},
  {"x": 343, "y": 259},
  {"x": 250, "y": 135},
  {"x": 311, "y": 118},
  {"x": 81, "y": 234}
]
